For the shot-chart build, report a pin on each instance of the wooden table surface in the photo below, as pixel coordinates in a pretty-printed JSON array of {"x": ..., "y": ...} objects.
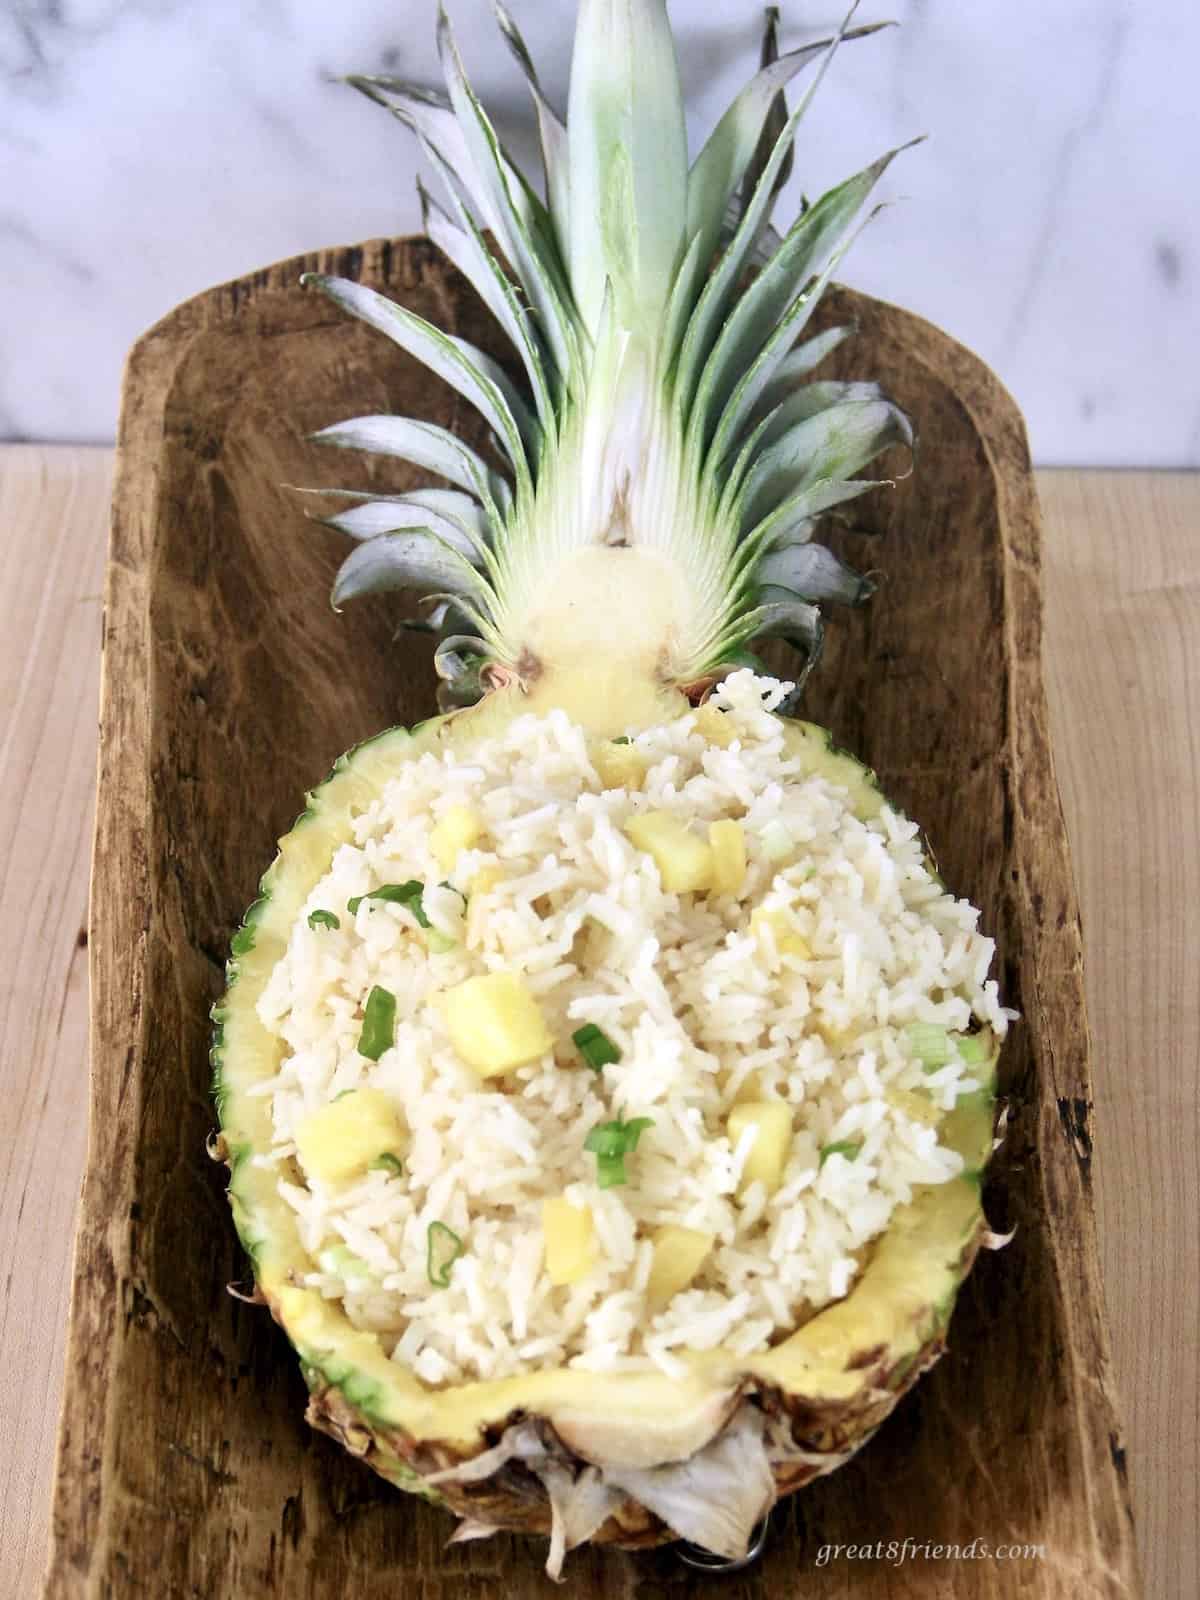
[{"x": 1122, "y": 589}]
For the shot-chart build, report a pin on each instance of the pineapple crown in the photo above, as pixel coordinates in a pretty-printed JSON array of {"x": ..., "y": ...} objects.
[{"x": 668, "y": 400}]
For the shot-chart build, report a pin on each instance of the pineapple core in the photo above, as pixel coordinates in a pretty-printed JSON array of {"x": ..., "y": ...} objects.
[
  {"x": 342, "y": 1139},
  {"x": 679, "y": 1253},
  {"x": 570, "y": 1241},
  {"x": 455, "y": 831},
  {"x": 495, "y": 1023},
  {"x": 772, "y": 1124},
  {"x": 683, "y": 859}
]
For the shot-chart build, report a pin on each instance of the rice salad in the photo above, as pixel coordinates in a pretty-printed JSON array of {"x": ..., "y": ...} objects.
[{"x": 839, "y": 981}]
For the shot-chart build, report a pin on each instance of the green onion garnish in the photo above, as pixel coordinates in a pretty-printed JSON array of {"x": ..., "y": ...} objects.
[
  {"x": 610, "y": 1143},
  {"x": 324, "y": 919},
  {"x": 379, "y": 1024},
  {"x": 596, "y": 1048},
  {"x": 387, "y": 1162},
  {"x": 401, "y": 894},
  {"x": 624, "y": 739},
  {"x": 930, "y": 1043},
  {"x": 847, "y": 1148},
  {"x": 437, "y": 942},
  {"x": 442, "y": 1251},
  {"x": 971, "y": 1048}
]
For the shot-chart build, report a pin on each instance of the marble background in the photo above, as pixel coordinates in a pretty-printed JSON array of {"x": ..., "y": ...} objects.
[{"x": 150, "y": 148}]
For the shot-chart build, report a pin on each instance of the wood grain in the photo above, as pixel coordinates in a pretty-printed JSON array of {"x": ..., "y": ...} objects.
[
  {"x": 53, "y": 513},
  {"x": 178, "y": 1462},
  {"x": 1123, "y": 657}
]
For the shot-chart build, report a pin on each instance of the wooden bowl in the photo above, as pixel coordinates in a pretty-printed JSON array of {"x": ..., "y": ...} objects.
[{"x": 185, "y": 1468}]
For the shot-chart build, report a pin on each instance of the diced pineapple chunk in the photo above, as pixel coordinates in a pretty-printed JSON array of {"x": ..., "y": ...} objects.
[
  {"x": 456, "y": 830},
  {"x": 715, "y": 726},
  {"x": 679, "y": 1253},
  {"x": 486, "y": 878},
  {"x": 570, "y": 1240},
  {"x": 342, "y": 1139},
  {"x": 495, "y": 1023},
  {"x": 727, "y": 842},
  {"x": 772, "y": 1124},
  {"x": 915, "y": 1105},
  {"x": 783, "y": 931},
  {"x": 619, "y": 766},
  {"x": 683, "y": 859}
]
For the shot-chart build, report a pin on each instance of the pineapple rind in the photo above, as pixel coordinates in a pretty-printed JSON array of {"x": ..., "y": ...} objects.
[{"x": 898, "y": 1309}]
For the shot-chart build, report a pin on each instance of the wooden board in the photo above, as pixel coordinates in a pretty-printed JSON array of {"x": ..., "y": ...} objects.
[{"x": 229, "y": 686}]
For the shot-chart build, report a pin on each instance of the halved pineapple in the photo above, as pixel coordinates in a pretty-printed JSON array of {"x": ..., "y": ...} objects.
[{"x": 647, "y": 513}]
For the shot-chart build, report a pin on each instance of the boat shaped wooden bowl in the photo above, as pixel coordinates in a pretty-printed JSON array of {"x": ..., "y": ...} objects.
[{"x": 185, "y": 1466}]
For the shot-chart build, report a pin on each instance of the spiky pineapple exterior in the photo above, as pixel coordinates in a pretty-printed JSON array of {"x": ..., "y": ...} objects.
[{"x": 647, "y": 512}]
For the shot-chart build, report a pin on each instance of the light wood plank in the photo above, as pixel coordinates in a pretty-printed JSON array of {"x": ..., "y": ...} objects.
[
  {"x": 1123, "y": 656},
  {"x": 53, "y": 526}
]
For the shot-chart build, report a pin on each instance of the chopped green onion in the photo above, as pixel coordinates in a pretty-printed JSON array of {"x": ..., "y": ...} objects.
[
  {"x": 379, "y": 1024},
  {"x": 454, "y": 889},
  {"x": 442, "y": 1251},
  {"x": 776, "y": 840},
  {"x": 972, "y": 1048},
  {"x": 324, "y": 919},
  {"x": 930, "y": 1043},
  {"x": 401, "y": 894},
  {"x": 341, "y": 1262},
  {"x": 610, "y": 1143},
  {"x": 437, "y": 942},
  {"x": 624, "y": 739},
  {"x": 848, "y": 1149},
  {"x": 387, "y": 1162},
  {"x": 596, "y": 1048}
]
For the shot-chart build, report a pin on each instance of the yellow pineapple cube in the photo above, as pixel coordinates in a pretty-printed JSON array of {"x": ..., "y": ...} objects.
[
  {"x": 495, "y": 1023},
  {"x": 486, "y": 878},
  {"x": 570, "y": 1240},
  {"x": 783, "y": 931},
  {"x": 772, "y": 1124},
  {"x": 456, "y": 830},
  {"x": 912, "y": 1103},
  {"x": 619, "y": 766},
  {"x": 683, "y": 859},
  {"x": 727, "y": 842},
  {"x": 342, "y": 1139},
  {"x": 679, "y": 1253},
  {"x": 716, "y": 727}
]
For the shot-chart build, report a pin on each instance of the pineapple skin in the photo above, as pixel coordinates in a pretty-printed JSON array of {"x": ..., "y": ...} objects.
[{"x": 869, "y": 1351}]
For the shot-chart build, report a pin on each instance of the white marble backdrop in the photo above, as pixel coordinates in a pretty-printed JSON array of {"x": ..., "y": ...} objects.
[{"x": 149, "y": 148}]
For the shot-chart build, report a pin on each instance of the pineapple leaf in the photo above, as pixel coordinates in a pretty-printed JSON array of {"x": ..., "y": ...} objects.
[
  {"x": 740, "y": 146},
  {"x": 833, "y": 444},
  {"x": 475, "y": 375},
  {"x": 722, "y": 283},
  {"x": 425, "y": 444},
  {"x": 802, "y": 360},
  {"x": 791, "y": 521},
  {"x": 551, "y": 130},
  {"x": 754, "y": 323},
  {"x": 627, "y": 145},
  {"x": 413, "y": 559},
  {"x": 810, "y": 572},
  {"x": 461, "y": 526},
  {"x": 808, "y": 400},
  {"x": 522, "y": 223}
]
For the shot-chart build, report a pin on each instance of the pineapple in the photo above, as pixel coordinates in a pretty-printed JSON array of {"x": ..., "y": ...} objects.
[{"x": 647, "y": 512}]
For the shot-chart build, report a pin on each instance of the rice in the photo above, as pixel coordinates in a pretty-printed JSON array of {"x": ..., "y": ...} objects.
[{"x": 701, "y": 1007}]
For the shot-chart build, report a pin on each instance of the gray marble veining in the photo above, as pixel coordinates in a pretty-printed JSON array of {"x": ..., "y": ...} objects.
[{"x": 149, "y": 148}]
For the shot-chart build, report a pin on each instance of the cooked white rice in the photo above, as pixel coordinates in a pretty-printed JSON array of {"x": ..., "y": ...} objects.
[{"x": 695, "y": 1001}]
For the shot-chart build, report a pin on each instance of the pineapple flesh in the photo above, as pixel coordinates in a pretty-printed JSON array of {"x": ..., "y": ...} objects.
[{"x": 646, "y": 513}]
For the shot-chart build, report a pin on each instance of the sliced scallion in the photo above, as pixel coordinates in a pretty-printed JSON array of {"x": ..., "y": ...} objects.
[
  {"x": 408, "y": 894},
  {"x": 596, "y": 1048},
  {"x": 379, "y": 1024},
  {"x": 776, "y": 840},
  {"x": 848, "y": 1149},
  {"x": 930, "y": 1043},
  {"x": 441, "y": 1252},
  {"x": 971, "y": 1048},
  {"x": 610, "y": 1143},
  {"x": 324, "y": 919},
  {"x": 389, "y": 1163},
  {"x": 438, "y": 943}
]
